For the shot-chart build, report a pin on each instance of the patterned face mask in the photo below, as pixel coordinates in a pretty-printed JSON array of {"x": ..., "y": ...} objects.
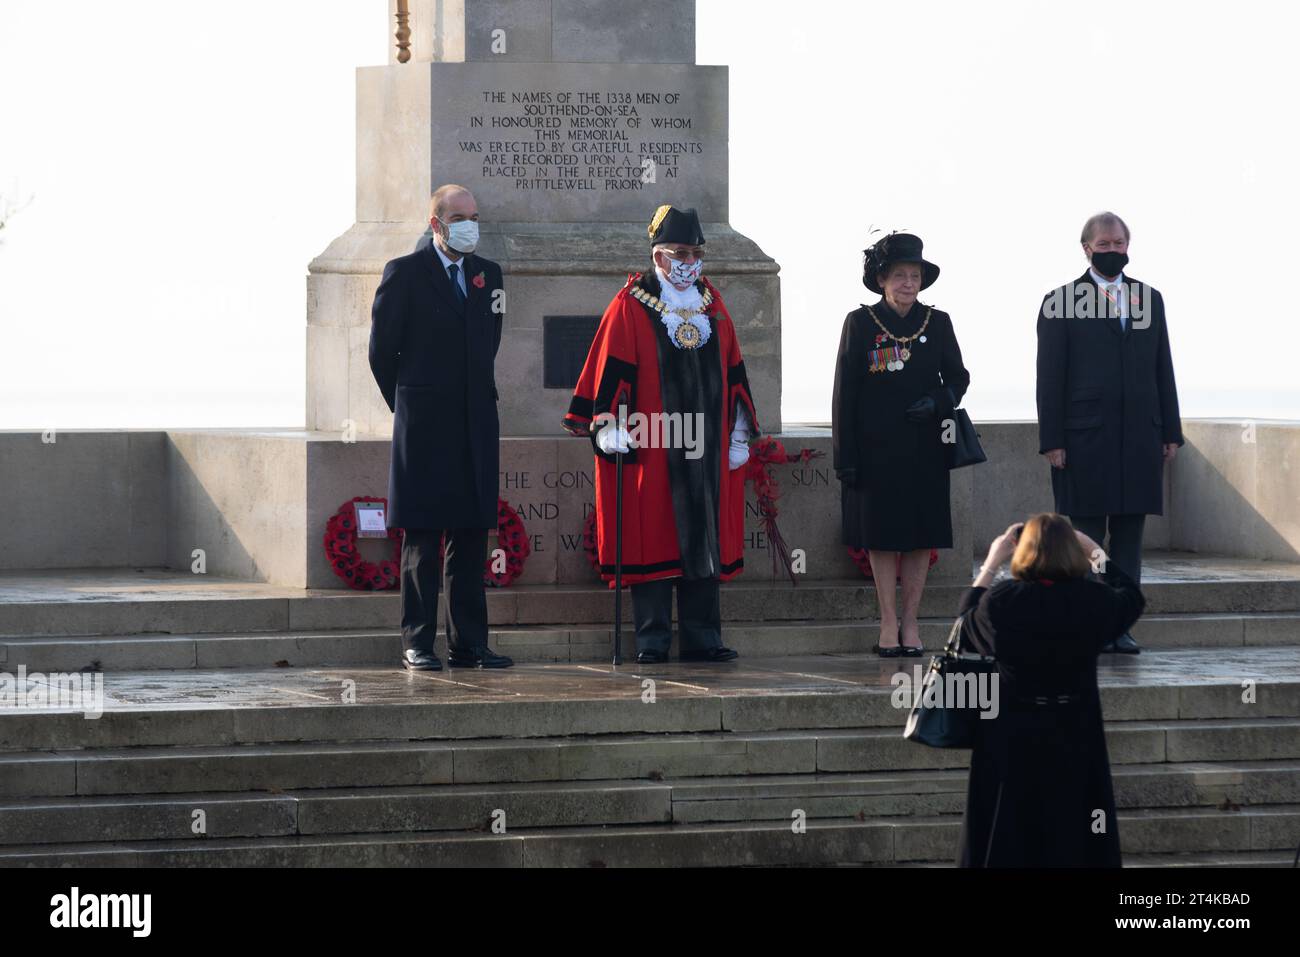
[{"x": 684, "y": 274}]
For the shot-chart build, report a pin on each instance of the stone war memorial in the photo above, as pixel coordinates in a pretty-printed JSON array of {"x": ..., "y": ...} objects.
[{"x": 194, "y": 612}]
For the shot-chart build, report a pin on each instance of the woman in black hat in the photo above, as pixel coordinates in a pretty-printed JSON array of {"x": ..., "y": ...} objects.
[{"x": 898, "y": 377}]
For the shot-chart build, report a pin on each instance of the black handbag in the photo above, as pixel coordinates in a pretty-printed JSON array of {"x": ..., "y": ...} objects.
[
  {"x": 965, "y": 449},
  {"x": 942, "y": 725}
]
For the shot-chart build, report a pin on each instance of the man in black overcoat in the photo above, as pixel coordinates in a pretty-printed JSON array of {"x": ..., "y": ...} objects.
[
  {"x": 434, "y": 334},
  {"x": 1107, "y": 405}
]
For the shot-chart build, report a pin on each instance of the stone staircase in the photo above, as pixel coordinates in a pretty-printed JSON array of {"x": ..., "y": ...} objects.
[
  {"x": 704, "y": 775},
  {"x": 207, "y": 754},
  {"x": 155, "y": 619}
]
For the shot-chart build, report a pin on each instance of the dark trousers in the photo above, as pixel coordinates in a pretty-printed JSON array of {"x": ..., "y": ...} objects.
[
  {"x": 1125, "y": 546},
  {"x": 699, "y": 614},
  {"x": 467, "y": 625}
]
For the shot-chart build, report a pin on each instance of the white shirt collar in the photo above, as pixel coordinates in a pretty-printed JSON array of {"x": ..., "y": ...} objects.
[
  {"x": 460, "y": 263},
  {"x": 447, "y": 263},
  {"x": 1102, "y": 280},
  {"x": 1121, "y": 298}
]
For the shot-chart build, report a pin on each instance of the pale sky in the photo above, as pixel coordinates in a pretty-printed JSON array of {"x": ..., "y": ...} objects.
[{"x": 187, "y": 161}]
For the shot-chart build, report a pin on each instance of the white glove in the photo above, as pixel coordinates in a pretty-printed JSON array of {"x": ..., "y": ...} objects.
[
  {"x": 738, "y": 451},
  {"x": 612, "y": 439}
]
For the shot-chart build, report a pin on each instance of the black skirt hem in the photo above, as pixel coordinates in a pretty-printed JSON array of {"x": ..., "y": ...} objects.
[{"x": 898, "y": 548}]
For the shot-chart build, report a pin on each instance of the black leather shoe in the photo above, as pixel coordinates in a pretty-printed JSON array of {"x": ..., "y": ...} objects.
[
  {"x": 891, "y": 651},
  {"x": 420, "y": 661},
  {"x": 651, "y": 657},
  {"x": 711, "y": 654},
  {"x": 483, "y": 657},
  {"x": 1125, "y": 644},
  {"x": 912, "y": 651}
]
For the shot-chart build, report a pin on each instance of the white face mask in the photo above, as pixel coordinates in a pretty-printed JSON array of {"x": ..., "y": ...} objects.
[
  {"x": 463, "y": 236},
  {"x": 683, "y": 274}
]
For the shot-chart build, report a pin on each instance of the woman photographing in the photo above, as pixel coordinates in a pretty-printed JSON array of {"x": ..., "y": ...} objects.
[{"x": 1040, "y": 790}]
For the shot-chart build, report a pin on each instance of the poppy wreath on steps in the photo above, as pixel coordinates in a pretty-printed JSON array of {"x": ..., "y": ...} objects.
[
  {"x": 512, "y": 539},
  {"x": 345, "y": 557},
  {"x": 764, "y": 453},
  {"x": 589, "y": 540}
]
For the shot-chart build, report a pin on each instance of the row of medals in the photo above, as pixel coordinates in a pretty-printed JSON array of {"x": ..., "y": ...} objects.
[{"x": 896, "y": 365}]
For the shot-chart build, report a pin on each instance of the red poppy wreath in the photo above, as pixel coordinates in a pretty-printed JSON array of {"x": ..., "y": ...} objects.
[{"x": 345, "y": 558}]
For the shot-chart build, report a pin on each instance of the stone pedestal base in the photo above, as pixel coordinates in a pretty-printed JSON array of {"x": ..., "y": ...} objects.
[
  {"x": 257, "y": 503},
  {"x": 550, "y": 270}
]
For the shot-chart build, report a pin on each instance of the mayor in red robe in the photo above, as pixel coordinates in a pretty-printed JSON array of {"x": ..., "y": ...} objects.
[{"x": 667, "y": 348}]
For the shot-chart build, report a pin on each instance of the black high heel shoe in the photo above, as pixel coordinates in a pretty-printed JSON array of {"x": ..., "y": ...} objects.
[
  {"x": 911, "y": 651},
  {"x": 889, "y": 651}
]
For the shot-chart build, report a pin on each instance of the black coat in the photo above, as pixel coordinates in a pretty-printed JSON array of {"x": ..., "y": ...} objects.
[
  {"x": 1108, "y": 398},
  {"x": 894, "y": 473},
  {"x": 1038, "y": 775},
  {"x": 434, "y": 364}
]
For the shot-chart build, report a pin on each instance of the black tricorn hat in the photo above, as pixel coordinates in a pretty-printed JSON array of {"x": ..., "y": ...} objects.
[
  {"x": 895, "y": 248},
  {"x": 673, "y": 225}
]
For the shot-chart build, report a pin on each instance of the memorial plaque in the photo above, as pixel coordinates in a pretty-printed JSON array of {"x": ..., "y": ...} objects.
[
  {"x": 566, "y": 340},
  {"x": 569, "y": 142},
  {"x": 571, "y": 121}
]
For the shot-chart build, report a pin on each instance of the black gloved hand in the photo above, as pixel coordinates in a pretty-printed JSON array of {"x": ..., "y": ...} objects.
[
  {"x": 922, "y": 410},
  {"x": 848, "y": 477}
]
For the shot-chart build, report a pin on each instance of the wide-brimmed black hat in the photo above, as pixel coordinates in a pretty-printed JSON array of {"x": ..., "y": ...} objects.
[
  {"x": 673, "y": 225},
  {"x": 895, "y": 248}
]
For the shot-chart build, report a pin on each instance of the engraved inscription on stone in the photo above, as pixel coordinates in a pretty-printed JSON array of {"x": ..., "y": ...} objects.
[
  {"x": 565, "y": 142},
  {"x": 565, "y": 343},
  {"x": 582, "y": 139}
]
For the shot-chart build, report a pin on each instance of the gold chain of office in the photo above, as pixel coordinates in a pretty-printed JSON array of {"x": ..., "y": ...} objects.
[
  {"x": 686, "y": 335},
  {"x": 661, "y": 307},
  {"x": 904, "y": 353}
]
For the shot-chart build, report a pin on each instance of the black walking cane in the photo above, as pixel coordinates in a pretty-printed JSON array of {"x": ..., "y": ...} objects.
[{"x": 618, "y": 539}]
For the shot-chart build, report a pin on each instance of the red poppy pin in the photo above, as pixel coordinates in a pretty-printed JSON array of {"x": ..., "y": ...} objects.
[{"x": 479, "y": 281}]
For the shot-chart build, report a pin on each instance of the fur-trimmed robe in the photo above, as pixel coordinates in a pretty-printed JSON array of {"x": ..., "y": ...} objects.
[{"x": 668, "y": 499}]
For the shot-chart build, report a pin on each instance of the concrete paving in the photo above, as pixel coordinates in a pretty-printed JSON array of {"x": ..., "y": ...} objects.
[
  {"x": 812, "y": 674},
  {"x": 159, "y": 619},
  {"x": 154, "y": 584},
  {"x": 344, "y": 759}
]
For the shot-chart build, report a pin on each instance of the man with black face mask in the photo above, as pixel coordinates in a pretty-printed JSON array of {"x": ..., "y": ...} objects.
[{"x": 1107, "y": 405}]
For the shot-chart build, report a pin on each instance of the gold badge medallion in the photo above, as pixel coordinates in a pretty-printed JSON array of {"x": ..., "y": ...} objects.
[{"x": 687, "y": 336}]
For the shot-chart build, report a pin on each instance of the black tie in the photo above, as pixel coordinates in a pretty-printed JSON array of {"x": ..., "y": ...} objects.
[{"x": 454, "y": 269}]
